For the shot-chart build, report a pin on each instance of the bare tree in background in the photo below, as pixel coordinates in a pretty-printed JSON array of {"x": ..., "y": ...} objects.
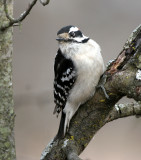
[
  {"x": 122, "y": 78},
  {"x": 7, "y": 143},
  {"x": 7, "y": 114}
]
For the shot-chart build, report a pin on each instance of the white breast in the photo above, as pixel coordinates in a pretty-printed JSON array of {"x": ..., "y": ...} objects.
[{"x": 89, "y": 65}]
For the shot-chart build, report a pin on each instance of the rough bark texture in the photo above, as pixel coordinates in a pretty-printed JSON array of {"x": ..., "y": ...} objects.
[
  {"x": 122, "y": 78},
  {"x": 125, "y": 110},
  {"x": 7, "y": 143}
]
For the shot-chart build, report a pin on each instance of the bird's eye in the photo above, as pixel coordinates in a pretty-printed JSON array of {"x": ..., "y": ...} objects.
[{"x": 72, "y": 34}]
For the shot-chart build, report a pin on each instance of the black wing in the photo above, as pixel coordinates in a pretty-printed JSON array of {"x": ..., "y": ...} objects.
[{"x": 65, "y": 76}]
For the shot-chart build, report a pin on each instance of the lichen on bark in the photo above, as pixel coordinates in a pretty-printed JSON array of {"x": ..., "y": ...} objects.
[{"x": 7, "y": 143}]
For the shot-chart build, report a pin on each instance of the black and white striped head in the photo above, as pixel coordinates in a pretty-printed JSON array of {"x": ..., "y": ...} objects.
[{"x": 71, "y": 34}]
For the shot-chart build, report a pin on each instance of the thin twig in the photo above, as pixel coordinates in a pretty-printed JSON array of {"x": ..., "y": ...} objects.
[
  {"x": 6, "y": 11},
  {"x": 22, "y": 16},
  {"x": 13, "y": 21}
]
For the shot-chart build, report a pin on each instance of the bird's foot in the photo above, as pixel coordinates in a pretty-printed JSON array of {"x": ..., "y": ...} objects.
[
  {"x": 104, "y": 91},
  {"x": 101, "y": 85}
]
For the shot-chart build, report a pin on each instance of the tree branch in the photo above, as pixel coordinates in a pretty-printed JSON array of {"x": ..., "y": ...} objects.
[
  {"x": 16, "y": 22},
  {"x": 122, "y": 78},
  {"x": 7, "y": 114},
  {"x": 124, "y": 110}
]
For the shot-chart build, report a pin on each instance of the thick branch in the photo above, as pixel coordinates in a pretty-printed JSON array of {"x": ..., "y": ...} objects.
[
  {"x": 15, "y": 22},
  {"x": 122, "y": 78}
]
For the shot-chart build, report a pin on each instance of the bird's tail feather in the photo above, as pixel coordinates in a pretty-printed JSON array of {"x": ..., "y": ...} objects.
[{"x": 60, "y": 133}]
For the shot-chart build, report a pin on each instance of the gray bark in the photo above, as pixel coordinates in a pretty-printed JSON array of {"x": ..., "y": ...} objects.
[
  {"x": 7, "y": 143},
  {"x": 7, "y": 114},
  {"x": 122, "y": 78}
]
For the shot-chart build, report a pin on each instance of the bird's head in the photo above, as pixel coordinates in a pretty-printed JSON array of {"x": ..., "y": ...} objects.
[{"x": 71, "y": 34}]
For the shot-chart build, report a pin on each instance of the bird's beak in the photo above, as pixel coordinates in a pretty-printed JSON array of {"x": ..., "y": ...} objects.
[{"x": 60, "y": 39}]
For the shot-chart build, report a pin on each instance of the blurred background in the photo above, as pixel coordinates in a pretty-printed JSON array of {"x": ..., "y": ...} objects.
[{"x": 108, "y": 22}]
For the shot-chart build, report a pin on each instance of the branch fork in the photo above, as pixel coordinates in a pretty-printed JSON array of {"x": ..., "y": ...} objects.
[{"x": 17, "y": 22}]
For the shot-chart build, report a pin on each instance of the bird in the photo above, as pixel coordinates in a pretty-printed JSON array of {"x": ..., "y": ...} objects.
[{"x": 78, "y": 67}]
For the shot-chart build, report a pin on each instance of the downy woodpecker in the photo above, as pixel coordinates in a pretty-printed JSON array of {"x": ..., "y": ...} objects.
[{"x": 77, "y": 70}]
